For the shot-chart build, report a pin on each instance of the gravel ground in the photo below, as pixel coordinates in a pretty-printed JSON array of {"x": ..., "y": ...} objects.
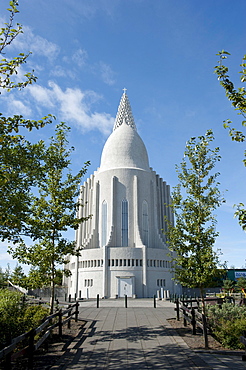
[{"x": 195, "y": 342}]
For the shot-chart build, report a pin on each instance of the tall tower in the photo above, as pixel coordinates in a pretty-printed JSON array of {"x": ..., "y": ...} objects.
[{"x": 124, "y": 249}]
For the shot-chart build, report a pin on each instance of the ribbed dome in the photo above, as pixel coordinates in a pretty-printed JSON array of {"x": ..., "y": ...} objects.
[{"x": 124, "y": 147}]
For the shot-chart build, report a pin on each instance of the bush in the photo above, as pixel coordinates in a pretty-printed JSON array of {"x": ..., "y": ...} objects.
[
  {"x": 227, "y": 323},
  {"x": 16, "y": 317},
  {"x": 10, "y": 314},
  {"x": 229, "y": 333},
  {"x": 33, "y": 315}
]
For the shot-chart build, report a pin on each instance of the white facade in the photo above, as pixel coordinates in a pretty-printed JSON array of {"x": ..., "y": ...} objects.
[{"x": 124, "y": 247}]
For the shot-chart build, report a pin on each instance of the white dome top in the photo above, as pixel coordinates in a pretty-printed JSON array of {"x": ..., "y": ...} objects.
[{"x": 124, "y": 147}]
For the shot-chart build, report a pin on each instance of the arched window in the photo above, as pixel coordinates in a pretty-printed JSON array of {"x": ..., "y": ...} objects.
[
  {"x": 124, "y": 223},
  {"x": 145, "y": 223},
  {"x": 104, "y": 222}
]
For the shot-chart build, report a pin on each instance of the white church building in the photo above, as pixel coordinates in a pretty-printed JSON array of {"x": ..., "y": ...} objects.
[{"x": 124, "y": 249}]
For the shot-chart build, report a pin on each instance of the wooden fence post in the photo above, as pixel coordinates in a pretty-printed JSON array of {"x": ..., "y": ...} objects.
[
  {"x": 177, "y": 308},
  {"x": 184, "y": 319},
  {"x": 69, "y": 321},
  {"x": 154, "y": 301},
  {"x": 31, "y": 349},
  {"x": 60, "y": 322},
  {"x": 205, "y": 331},
  {"x": 77, "y": 311},
  {"x": 7, "y": 361},
  {"x": 193, "y": 321},
  {"x": 97, "y": 300},
  {"x": 125, "y": 301}
]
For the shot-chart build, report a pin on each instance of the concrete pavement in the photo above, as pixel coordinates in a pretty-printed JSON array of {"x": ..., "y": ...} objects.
[{"x": 137, "y": 337}]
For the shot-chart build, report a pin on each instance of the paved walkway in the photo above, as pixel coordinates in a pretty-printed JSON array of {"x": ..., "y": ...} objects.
[{"x": 137, "y": 337}]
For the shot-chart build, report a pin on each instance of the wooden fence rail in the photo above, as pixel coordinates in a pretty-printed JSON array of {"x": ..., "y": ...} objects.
[
  {"x": 8, "y": 352},
  {"x": 193, "y": 316}
]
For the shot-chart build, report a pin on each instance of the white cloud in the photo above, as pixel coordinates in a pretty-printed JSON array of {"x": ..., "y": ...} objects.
[
  {"x": 74, "y": 106},
  {"x": 16, "y": 106},
  {"x": 79, "y": 57},
  {"x": 42, "y": 95},
  {"x": 28, "y": 41},
  {"x": 107, "y": 73}
]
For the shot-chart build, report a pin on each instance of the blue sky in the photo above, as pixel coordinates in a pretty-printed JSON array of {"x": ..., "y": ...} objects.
[{"x": 164, "y": 52}]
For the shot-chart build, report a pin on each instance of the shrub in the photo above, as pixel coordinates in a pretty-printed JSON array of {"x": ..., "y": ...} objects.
[
  {"x": 15, "y": 317},
  {"x": 33, "y": 315},
  {"x": 227, "y": 323},
  {"x": 229, "y": 333},
  {"x": 10, "y": 314}
]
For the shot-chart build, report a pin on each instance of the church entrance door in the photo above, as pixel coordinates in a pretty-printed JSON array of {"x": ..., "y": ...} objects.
[{"x": 125, "y": 287}]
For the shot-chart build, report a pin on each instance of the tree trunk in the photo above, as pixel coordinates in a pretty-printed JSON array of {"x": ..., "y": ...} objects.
[
  {"x": 203, "y": 300},
  {"x": 52, "y": 288}
]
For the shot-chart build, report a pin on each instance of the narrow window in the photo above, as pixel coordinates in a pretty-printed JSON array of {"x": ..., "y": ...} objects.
[
  {"x": 158, "y": 282},
  {"x": 154, "y": 263},
  {"x": 92, "y": 263},
  {"x": 136, "y": 262},
  {"x": 129, "y": 262},
  {"x": 95, "y": 263},
  {"x": 112, "y": 262},
  {"x": 121, "y": 262},
  {"x": 164, "y": 282},
  {"x": 91, "y": 282},
  {"x": 157, "y": 263},
  {"x": 104, "y": 222},
  {"x": 132, "y": 262},
  {"x": 124, "y": 223},
  {"x": 102, "y": 263},
  {"x": 116, "y": 263},
  {"x": 150, "y": 263},
  {"x": 160, "y": 263},
  {"x": 98, "y": 263},
  {"x": 124, "y": 262},
  {"x": 85, "y": 263},
  {"x": 85, "y": 282},
  {"x": 141, "y": 262},
  {"x": 145, "y": 223},
  {"x": 161, "y": 282},
  {"x": 109, "y": 262}
]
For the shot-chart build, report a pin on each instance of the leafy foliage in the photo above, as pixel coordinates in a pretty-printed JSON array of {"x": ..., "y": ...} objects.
[
  {"x": 228, "y": 323},
  {"x": 15, "y": 317},
  {"x": 193, "y": 201},
  {"x": 241, "y": 284},
  {"x": 19, "y": 159},
  {"x": 53, "y": 212},
  {"x": 18, "y": 277},
  {"x": 228, "y": 285},
  {"x": 238, "y": 100},
  {"x": 9, "y": 68},
  {"x": 4, "y": 276}
]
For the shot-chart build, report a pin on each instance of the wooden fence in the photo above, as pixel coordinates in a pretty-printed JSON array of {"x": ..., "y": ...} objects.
[
  {"x": 190, "y": 313},
  {"x": 62, "y": 317}
]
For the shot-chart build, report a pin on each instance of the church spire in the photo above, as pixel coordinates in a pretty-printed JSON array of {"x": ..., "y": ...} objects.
[{"x": 124, "y": 113}]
